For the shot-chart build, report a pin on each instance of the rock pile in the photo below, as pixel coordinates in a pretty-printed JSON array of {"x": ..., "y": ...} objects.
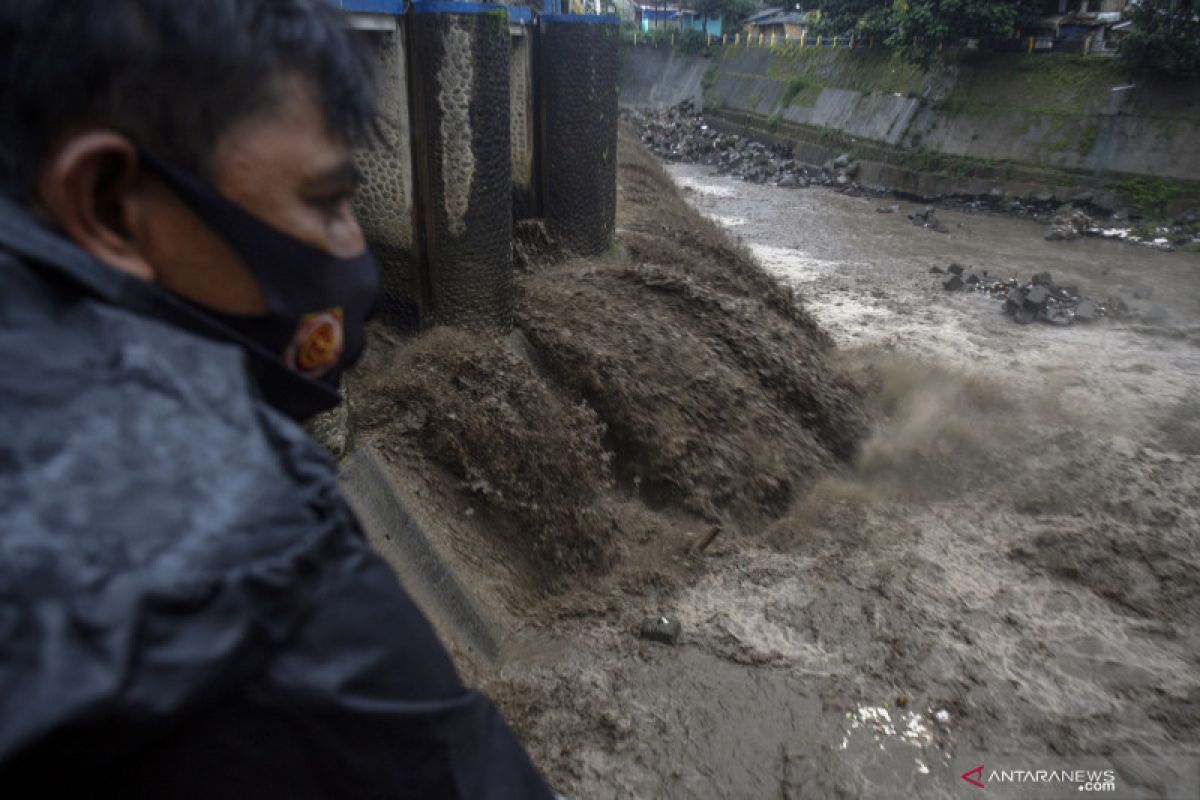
[
  {"x": 680, "y": 135},
  {"x": 1039, "y": 299},
  {"x": 927, "y": 218},
  {"x": 1070, "y": 222}
]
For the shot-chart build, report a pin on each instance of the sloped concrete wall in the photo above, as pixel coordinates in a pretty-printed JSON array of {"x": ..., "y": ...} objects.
[
  {"x": 661, "y": 77},
  {"x": 1056, "y": 112}
]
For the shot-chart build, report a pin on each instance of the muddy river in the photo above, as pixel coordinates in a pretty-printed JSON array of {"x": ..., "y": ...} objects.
[{"x": 1010, "y": 571}]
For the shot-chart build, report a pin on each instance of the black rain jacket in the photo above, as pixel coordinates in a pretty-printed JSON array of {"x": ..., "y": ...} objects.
[{"x": 188, "y": 607}]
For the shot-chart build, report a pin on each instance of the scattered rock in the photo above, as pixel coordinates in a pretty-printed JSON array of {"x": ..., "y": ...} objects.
[
  {"x": 927, "y": 218},
  {"x": 1155, "y": 314},
  {"x": 1039, "y": 299},
  {"x": 665, "y": 630},
  {"x": 680, "y": 134}
]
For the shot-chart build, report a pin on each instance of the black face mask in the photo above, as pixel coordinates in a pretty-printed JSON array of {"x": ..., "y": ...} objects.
[{"x": 319, "y": 304}]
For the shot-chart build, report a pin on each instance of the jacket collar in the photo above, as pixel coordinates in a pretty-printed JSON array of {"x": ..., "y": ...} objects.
[{"x": 23, "y": 234}]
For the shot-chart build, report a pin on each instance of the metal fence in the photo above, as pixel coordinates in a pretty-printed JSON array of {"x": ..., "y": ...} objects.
[{"x": 1025, "y": 44}]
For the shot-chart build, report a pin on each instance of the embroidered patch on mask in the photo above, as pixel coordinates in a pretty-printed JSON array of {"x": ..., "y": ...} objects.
[{"x": 318, "y": 343}]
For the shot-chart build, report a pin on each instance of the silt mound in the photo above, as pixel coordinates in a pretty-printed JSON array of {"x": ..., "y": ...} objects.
[{"x": 672, "y": 364}]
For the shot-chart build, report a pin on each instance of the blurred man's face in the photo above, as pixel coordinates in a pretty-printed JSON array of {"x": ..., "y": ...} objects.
[{"x": 285, "y": 167}]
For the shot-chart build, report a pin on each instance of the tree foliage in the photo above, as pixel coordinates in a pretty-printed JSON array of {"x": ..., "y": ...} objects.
[
  {"x": 924, "y": 28},
  {"x": 845, "y": 16},
  {"x": 729, "y": 11},
  {"x": 921, "y": 29},
  {"x": 1165, "y": 37}
]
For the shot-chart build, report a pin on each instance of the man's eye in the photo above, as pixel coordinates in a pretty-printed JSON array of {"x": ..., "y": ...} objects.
[{"x": 332, "y": 202}]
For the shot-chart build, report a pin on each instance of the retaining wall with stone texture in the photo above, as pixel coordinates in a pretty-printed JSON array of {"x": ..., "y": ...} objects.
[{"x": 578, "y": 80}]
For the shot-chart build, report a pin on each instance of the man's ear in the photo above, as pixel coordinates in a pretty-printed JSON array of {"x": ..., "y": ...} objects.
[{"x": 91, "y": 187}]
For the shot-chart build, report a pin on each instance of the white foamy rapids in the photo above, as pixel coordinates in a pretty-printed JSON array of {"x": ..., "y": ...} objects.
[
  {"x": 890, "y": 728},
  {"x": 705, "y": 187},
  {"x": 755, "y": 617},
  {"x": 793, "y": 265}
]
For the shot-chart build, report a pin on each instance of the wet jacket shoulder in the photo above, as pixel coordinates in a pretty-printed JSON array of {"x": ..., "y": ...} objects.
[{"x": 187, "y": 607}]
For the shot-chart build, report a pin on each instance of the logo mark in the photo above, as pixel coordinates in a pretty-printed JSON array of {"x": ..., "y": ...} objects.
[
  {"x": 977, "y": 780},
  {"x": 318, "y": 343}
]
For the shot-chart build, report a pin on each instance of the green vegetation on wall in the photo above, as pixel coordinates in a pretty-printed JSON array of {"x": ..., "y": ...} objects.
[
  {"x": 1058, "y": 85},
  {"x": 1150, "y": 197}
]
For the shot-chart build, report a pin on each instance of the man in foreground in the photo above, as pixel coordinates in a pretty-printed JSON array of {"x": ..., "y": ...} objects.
[{"x": 187, "y": 606}]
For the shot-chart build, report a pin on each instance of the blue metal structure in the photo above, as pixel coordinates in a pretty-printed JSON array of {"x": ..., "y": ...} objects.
[
  {"x": 393, "y": 7},
  {"x": 520, "y": 15}
]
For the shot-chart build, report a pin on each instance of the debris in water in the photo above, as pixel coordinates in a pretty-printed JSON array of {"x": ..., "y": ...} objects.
[
  {"x": 1039, "y": 299},
  {"x": 927, "y": 218},
  {"x": 942, "y": 716},
  {"x": 708, "y": 539},
  {"x": 661, "y": 629}
]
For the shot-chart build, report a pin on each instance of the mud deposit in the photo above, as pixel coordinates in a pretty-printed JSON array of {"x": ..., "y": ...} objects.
[{"x": 948, "y": 534}]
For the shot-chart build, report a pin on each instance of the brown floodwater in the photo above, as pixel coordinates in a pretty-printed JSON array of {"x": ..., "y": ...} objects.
[{"x": 1011, "y": 565}]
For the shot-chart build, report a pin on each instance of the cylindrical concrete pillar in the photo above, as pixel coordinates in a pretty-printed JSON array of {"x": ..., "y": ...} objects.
[
  {"x": 464, "y": 160},
  {"x": 521, "y": 113},
  {"x": 578, "y": 72},
  {"x": 384, "y": 204}
]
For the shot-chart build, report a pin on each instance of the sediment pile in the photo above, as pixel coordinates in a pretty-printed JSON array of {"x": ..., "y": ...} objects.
[{"x": 671, "y": 372}]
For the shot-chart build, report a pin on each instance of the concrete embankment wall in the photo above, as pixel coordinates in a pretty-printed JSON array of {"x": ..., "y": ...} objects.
[{"x": 1014, "y": 122}]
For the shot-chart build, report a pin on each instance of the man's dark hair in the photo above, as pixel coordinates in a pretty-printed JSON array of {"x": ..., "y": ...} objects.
[{"x": 173, "y": 74}]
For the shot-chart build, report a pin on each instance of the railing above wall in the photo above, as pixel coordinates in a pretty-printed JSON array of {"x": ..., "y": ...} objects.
[
  {"x": 373, "y": 15},
  {"x": 392, "y": 7}
]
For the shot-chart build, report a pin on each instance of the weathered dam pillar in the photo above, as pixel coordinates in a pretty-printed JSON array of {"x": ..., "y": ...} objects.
[
  {"x": 578, "y": 74},
  {"x": 521, "y": 113},
  {"x": 385, "y": 205},
  {"x": 462, "y": 133}
]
